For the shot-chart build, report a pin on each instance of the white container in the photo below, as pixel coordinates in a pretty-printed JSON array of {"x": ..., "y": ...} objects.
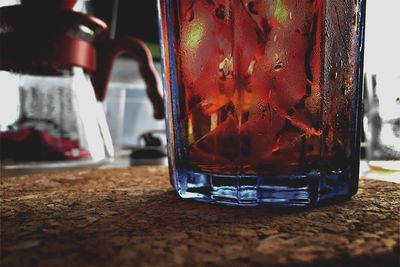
[{"x": 128, "y": 110}]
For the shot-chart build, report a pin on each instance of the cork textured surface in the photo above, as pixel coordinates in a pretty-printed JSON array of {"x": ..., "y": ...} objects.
[{"x": 132, "y": 217}]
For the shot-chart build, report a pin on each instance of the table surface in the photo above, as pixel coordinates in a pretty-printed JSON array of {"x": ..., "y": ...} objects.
[{"x": 132, "y": 217}]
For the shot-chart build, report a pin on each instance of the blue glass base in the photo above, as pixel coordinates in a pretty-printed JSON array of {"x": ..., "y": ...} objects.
[{"x": 287, "y": 190}]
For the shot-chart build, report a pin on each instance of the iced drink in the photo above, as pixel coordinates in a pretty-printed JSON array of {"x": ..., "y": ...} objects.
[{"x": 263, "y": 98}]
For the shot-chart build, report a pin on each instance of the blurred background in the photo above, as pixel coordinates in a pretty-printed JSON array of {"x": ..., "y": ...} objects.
[
  {"x": 128, "y": 110},
  {"x": 127, "y": 17},
  {"x": 126, "y": 98},
  {"x": 137, "y": 137}
]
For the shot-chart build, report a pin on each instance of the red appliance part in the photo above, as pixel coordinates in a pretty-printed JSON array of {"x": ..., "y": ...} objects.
[{"x": 37, "y": 37}]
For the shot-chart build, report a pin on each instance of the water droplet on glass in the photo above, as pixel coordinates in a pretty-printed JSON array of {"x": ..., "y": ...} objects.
[
  {"x": 278, "y": 67},
  {"x": 345, "y": 90},
  {"x": 334, "y": 76},
  {"x": 278, "y": 63},
  {"x": 252, "y": 7},
  {"x": 189, "y": 15},
  {"x": 250, "y": 69},
  {"x": 220, "y": 12}
]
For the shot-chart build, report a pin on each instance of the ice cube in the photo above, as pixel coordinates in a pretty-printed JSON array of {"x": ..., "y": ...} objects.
[
  {"x": 249, "y": 39},
  {"x": 302, "y": 120},
  {"x": 263, "y": 124},
  {"x": 220, "y": 144},
  {"x": 204, "y": 45}
]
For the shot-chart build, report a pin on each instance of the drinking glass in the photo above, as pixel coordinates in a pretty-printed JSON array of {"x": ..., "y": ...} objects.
[{"x": 263, "y": 99}]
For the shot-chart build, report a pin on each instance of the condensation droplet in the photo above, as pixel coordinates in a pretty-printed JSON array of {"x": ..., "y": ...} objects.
[
  {"x": 334, "y": 76},
  {"x": 278, "y": 67},
  {"x": 189, "y": 15},
  {"x": 250, "y": 69},
  {"x": 252, "y": 7},
  {"x": 220, "y": 12}
]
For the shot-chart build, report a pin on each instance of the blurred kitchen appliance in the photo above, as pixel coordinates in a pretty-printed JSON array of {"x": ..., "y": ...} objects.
[
  {"x": 54, "y": 67},
  {"x": 128, "y": 110},
  {"x": 138, "y": 138}
]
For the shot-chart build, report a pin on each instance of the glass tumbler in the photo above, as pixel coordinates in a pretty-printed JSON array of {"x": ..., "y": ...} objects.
[{"x": 263, "y": 99}]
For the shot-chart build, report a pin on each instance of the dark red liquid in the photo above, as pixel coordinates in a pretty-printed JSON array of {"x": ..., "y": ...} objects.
[{"x": 258, "y": 92}]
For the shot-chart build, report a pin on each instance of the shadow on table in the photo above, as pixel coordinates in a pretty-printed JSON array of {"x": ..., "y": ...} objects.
[{"x": 159, "y": 228}]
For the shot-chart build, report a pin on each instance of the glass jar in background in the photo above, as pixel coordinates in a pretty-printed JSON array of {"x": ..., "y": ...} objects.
[
  {"x": 382, "y": 90},
  {"x": 263, "y": 99}
]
